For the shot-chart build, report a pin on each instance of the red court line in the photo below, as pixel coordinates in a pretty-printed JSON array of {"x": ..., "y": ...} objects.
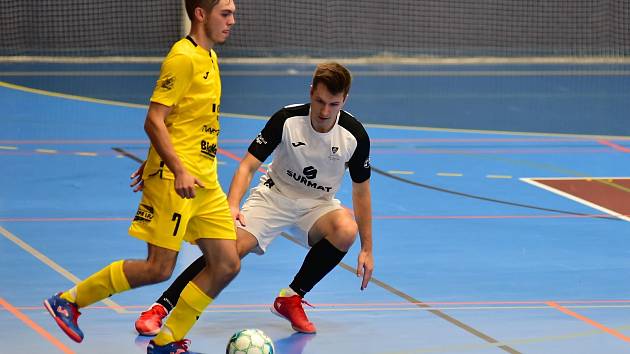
[
  {"x": 380, "y": 304},
  {"x": 42, "y": 332},
  {"x": 466, "y": 217},
  {"x": 35, "y": 219},
  {"x": 396, "y": 151},
  {"x": 479, "y": 140},
  {"x": 613, "y": 145},
  {"x": 234, "y": 157},
  {"x": 589, "y": 321},
  {"x": 379, "y": 217},
  {"x": 74, "y": 142}
]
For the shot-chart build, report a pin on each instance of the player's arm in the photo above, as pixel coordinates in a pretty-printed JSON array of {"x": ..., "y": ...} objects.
[
  {"x": 257, "y": 152},
  {"x": 160, "y": 140},
  {"x": 362, "y": 204},
  {"x": 240, "y": 183}
]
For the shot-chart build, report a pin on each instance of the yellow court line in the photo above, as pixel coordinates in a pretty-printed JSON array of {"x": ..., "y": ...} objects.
[
  {"x": 46, "y": 151},
  {"x": 397, "y": 172},
  {"x": 498, "y": 176},
  {"x": 259, "y": 117},
  {"x": 86, "y": 153},
  {"x": 56, "y": 267},
  {"x": 449, "y": 174},
  {"x": 610, "y": 183},
  {"x": 8, "y": 148},
  {"x": 70, "y": 97}
]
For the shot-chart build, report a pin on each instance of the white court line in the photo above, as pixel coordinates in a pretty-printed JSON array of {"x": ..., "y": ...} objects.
[
  {"x": 56, "y": 267},
  {"x": 531, "y": 180}
]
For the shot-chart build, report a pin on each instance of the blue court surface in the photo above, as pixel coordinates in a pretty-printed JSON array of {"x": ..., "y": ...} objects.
[{"x": 469, "y": 257}]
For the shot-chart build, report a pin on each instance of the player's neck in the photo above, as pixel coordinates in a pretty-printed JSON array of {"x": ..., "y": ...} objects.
[{"x": 201, "y": 39}]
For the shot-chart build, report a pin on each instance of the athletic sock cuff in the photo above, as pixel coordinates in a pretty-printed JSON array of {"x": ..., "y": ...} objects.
[
  {"x": 118, "y": 277},
  {"x": 195, "y": 298}
]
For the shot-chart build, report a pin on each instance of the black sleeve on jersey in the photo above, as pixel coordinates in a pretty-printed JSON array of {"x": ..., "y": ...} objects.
[
  {"x": 359, "y": 164},
  {"x": 269, "y": 138}
]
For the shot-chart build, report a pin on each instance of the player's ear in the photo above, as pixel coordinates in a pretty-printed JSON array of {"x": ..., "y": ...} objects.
[{"x": 200, "y": 14}]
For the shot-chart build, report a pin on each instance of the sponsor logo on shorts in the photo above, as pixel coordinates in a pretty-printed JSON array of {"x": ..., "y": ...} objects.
[{"x": 144, "y": 214}]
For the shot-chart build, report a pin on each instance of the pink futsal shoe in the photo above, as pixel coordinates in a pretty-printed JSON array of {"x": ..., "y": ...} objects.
[
  {"x": 290, "y": 308},
  {"x": 150, "y": 321}
]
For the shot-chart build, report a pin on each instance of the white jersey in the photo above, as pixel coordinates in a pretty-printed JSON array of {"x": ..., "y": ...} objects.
[{"x": 308, "y": 164}]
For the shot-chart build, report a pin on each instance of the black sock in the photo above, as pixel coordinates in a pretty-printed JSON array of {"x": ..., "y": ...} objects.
[
  {"x": 319, "y": 261},
  {"x": 171, "y": 295}
]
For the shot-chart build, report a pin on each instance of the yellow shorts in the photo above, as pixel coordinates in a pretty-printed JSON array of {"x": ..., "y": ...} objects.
[{"x": 165, "y": 219}]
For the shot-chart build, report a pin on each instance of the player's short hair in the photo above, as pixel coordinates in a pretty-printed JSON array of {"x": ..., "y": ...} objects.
[
  {"x": 334, "y": 76},
  {"x": 191, "y": 5}
]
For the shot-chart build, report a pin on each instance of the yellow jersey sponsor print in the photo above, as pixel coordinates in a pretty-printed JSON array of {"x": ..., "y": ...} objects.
[{"x": 190, "y": 83}]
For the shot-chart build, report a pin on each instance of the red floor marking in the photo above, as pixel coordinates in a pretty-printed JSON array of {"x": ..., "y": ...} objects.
[
  {"x": 42, "y": 332},
  {"x": 589, "y": 321},
  {"x": 611, "y": 194}
]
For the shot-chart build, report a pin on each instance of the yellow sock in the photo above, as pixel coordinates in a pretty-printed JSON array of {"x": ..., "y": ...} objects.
[
  {"x": 104, "y": 283},
  {"x": 191, "y": 304}
]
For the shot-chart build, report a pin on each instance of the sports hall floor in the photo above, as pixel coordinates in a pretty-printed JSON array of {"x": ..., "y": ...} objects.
[{"x": 485, "y": 241}]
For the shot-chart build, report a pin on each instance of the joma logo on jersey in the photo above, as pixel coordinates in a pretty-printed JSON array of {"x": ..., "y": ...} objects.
[
  {"x": 209, "y": 130},
  {"x": 208, "y": 149},
  {"x": 144, "y": 214},
  {"x": 310, "y": 173}
]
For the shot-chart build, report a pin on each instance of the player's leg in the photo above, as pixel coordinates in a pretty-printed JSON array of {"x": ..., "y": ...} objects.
[
  {"x": 330, "y": 236},
  {"x": 117, "y": 277},
  {"x": 154, "y": 215},
  {"x": 212, "y": 229},
  {"x": 150, "y": 321},
  {"x": 222, "y": 265}
]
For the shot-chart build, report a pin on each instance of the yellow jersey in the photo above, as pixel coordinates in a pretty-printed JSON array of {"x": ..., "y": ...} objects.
[{"x": 190, "y": 83}]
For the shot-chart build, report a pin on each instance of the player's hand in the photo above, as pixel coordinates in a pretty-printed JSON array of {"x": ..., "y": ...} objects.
[
  {"x": 237, "y": 216},
  {"x": 137, "y": 180},
  {"x": 185, "y": 185},
  {"x": 365, "y": 267}
]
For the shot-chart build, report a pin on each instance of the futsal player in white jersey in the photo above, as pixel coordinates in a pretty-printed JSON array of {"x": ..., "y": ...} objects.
[{"x": 313, "y": 144}]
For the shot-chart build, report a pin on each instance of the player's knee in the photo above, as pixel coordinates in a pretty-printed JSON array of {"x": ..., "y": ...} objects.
[
  {"x": 229, "y": 268},
  {"x": 162, "y": 274},
  {"x": 159, "y": 272},
  {"x": 345, "y": 233}
]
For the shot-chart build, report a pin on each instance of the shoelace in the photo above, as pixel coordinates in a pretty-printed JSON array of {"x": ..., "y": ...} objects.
[
  {"x": 306, "y": 303},
  {"x": 184, "y": 344},
  {"x": 76, "y": 313},
  {"x": 154, "y": 310}
]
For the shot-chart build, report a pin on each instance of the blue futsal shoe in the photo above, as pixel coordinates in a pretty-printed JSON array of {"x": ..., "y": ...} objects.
[
  {"x": 180, "y": 347},
  {"x": 65, "y": 314}
]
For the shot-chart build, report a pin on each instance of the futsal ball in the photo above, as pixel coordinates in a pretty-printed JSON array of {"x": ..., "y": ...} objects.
[{"x": 249, "y": 341}]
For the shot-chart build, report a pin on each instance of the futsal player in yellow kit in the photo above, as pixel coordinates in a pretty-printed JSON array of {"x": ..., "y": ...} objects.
[{"x": 182, "y": 198}]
